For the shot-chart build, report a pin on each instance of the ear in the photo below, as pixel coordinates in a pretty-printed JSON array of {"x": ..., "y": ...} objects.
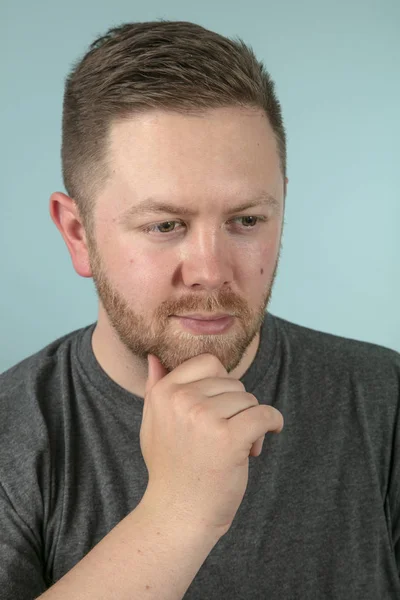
[
  {"x": 64, "y": 212},
  {"x": 285, "y": 186}
]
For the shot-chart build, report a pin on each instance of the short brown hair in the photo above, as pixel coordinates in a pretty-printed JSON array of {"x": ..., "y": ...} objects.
[{"x": 136, "y": 67}]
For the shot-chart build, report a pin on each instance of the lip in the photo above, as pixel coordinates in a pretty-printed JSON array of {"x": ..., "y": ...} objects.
[
  {"x": 200, "y": 317},
  {"x": 204, "y": 326}
]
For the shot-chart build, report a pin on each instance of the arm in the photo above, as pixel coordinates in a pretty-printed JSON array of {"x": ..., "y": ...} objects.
[
  {"x": 21, "y": 567},
  {"x": 148, "y": 555}
]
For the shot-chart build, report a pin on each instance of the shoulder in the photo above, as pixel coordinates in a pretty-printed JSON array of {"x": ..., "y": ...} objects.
[
  {"x": 31, "y": 430},
  {"x": 33, "y": 367},
  {"x": 28, "y": 387},
  {"x": 340, "y": 357},
  {"x": 32, "y": 397}
]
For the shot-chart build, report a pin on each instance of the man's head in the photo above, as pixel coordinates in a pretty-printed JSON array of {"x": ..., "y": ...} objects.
[{"x": 172, "y": 113}]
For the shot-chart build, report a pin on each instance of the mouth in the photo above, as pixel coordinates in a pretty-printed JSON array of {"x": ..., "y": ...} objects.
[
  {"x": 205, "y": 316},
  {"x": 205, "y": 326}
]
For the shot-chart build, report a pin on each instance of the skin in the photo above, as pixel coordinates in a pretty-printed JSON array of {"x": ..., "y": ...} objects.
[{"x": 206, "y": 263}]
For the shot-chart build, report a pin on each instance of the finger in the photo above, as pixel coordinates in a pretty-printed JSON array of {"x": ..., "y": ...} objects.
[
  {"x": 156, "y": 371},
  {"x": 224, "y": 406},
  {"x": 197, "y": 368},
  {"x": 251, "y": 424},
  {"x": 212, "y": 386},
  {"x": 257, "y": 447}
]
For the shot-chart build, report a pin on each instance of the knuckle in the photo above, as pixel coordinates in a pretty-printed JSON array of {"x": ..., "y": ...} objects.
[
  {"x": 197, "y": 411},
  {"x": 239, "y": 385},
  {"x": 222, "y": 433},
  {"x": 268, "y": 413},
  {"x": 179, "y": 397},
  {"x": 272, "y": 415},
  {"x": 252, "y": 398}
]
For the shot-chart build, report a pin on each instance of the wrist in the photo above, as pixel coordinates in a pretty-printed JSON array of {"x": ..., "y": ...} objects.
[{"x": 161, "y": 510}]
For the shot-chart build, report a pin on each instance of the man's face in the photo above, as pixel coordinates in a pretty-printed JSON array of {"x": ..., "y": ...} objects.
[{"x": 212, "y": 261}]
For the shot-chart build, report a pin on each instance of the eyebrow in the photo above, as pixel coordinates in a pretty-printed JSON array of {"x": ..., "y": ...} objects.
[{"x": 152, "y": 206}]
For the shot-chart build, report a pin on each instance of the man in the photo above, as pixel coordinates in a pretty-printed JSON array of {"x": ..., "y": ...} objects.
[{"x": 134, "y": 458}]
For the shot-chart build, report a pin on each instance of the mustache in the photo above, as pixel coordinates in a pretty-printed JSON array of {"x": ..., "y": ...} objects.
[{"x": 210, "y": 305}]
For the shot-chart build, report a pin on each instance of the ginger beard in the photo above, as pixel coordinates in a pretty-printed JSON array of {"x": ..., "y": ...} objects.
[{"x": 167, "y": 340}]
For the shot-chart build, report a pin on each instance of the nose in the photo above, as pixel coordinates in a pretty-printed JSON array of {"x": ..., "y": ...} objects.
[{"x": 206, "y": 261}]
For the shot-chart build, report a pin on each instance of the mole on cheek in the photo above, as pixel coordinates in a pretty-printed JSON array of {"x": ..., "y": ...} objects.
[{"x": 262, "y": 271}]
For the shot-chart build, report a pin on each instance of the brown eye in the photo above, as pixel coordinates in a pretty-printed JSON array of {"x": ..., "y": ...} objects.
[{"x": 250, "y": 217}]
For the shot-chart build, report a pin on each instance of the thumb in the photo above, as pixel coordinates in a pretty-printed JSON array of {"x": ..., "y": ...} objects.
[{"x": 156, "y": 372}]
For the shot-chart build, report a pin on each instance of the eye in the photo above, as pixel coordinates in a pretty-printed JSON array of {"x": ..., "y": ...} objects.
[
  {"x": 249, "y": 217},
  {"x": 167, "y": 227}
]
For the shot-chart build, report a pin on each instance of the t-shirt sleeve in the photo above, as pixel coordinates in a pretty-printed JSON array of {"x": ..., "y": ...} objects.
[
  {"x": 393, "y": 497},
  {"x": 21, "y": 569},
  {"x": 24, "y": 487},
  {"x": 394, "y": 503}
]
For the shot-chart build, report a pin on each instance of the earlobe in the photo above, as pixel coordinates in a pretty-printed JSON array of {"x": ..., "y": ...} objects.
[{"x": 65, "y": 215}]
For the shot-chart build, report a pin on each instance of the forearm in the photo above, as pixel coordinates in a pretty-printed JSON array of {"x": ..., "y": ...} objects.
[{"x": 145, "y": 556}]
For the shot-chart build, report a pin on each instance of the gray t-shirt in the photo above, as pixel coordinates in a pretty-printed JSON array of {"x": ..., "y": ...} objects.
[{"x": 320, "y": 518}]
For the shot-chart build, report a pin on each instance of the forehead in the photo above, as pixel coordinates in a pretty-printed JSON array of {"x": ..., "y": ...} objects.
[{"x": 221, "y": 152}]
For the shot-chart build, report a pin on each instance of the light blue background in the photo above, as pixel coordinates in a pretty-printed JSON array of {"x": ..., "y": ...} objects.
[{"x": 336, "y": 68}]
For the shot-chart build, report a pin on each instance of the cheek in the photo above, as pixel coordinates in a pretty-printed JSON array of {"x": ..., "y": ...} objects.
[
  {"x": 145, "y": 275},
  {"x": 266, "y": 263},
  {"x": 259, "y": 260}
]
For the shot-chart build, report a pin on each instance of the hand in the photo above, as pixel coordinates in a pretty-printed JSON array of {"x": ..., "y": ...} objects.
[{"x": 199, "y": 428}]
